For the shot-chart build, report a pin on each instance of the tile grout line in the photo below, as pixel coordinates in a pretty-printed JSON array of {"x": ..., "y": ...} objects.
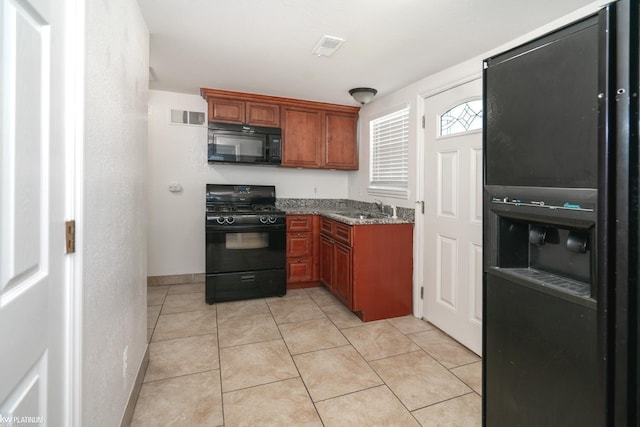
[
  {"x": 179, "y": 376},
  {"x": 292, "y": 358},
  {"x": 304, "y": 384},
  {"x": 447, "y": 400},
  {"x": 215, "y": 308}
]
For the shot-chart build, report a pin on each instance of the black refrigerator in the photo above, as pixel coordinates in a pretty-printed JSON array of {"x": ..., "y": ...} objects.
[{"x": 561, "y": 235}]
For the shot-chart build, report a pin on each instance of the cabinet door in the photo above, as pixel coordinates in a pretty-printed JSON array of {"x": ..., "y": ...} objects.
[
  {"x": 342, "y": 273},
  {"x": 341, "y": 150},
  {"x": 326, "y": 255},
  {"x": 226, "y": 110},
  {"x": 302, "y": 137},
  {"x": 262, "y": 114}
]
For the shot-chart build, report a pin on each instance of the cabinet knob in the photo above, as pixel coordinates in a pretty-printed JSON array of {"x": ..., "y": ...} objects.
[
  {"x": 299, "y": 259},
  {"x": 298, "y": 234}
]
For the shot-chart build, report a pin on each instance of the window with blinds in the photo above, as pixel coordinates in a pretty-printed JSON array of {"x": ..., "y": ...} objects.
[{"x": 389, "y": 169}]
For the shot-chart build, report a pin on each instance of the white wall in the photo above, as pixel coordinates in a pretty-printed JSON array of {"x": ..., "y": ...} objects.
[
  {"x": 178, "y": 154},
  {"x": 414, "y": 94},
  {"x": 114, "y": 209}
]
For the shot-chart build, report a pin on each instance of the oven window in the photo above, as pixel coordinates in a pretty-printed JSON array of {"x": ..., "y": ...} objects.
[{"x": 246, "y": 240}]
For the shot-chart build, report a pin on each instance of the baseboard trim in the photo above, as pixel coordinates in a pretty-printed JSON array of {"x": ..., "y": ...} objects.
[
  {"x": 133, "y": 398},
  {"x": 303, "y": 285},
  {"x": 175, "y": 279}
]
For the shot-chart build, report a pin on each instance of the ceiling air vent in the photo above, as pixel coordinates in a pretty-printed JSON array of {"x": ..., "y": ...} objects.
[{"x": 327, "y": 46}]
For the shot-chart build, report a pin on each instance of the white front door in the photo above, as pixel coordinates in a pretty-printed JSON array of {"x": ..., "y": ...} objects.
[
  {"x": 453, "y": 213},
  {"x": 33, "y": 278}
]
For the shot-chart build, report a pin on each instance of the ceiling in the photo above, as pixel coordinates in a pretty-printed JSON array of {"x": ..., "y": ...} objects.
[{"x": 264, "y": 46}]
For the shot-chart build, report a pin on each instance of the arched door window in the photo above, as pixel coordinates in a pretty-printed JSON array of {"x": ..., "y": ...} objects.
[{"x": 464, "y": 117}]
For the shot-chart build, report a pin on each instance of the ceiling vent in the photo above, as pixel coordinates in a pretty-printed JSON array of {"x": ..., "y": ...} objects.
[{"x": 327, "y": 46}]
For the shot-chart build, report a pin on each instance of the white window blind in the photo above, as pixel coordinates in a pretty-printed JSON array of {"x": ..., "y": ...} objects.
[{"x": 390, "y": 152}]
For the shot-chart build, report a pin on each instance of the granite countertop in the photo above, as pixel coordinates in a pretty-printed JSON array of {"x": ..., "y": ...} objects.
[{"x": 347, "y": 213}]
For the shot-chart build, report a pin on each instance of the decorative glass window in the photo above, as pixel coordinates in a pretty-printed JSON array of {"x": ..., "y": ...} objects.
[
  {"x": 389, "y": 169},
  {"x": 462, "y": 118}
]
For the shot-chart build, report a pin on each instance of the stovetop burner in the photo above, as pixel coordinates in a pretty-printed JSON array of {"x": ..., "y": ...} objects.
[
  {"x": 242, "y": 205},
  {"x": 232, "y": 209},
  {"x": 222, "y": 208}
]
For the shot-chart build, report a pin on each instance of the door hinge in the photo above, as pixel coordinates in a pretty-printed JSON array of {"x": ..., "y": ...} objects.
[
  {"x": 421, "y": 292},
  {"x": 70, "y": 236},
  {"x": 423, "y": 122}
]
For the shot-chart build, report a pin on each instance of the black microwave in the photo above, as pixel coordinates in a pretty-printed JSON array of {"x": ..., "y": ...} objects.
[{"x": 234, "y": 143}]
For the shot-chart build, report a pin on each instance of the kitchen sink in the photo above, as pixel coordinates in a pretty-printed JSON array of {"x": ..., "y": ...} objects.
[{"x": 363, "y": 215}]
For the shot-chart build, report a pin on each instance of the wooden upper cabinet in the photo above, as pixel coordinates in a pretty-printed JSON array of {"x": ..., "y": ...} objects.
[
  {"x": 259, "y": 114},
  {"x": 302, "y": 137},
  {"x": 340, "y": 135},
  {"x": 319, "y": 139},
  {"x": 251, "y": 113},
  {"x": 315, "y": 135},
  {"x": 226, "y": 110}
]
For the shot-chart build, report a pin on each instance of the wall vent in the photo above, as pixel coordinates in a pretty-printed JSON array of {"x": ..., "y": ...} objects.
[{"x": 183, "y": 117}]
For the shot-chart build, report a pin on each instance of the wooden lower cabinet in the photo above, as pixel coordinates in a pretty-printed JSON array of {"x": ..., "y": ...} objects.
[
  {"x": 368, "y": 267},
  {"x": 335, "y": 268},
  {"x": 302, "y": 251},
  {"x": 342, "y": 272}
]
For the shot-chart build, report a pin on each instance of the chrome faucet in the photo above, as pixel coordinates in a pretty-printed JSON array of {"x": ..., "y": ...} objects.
[{"x": 379, "y": 205}]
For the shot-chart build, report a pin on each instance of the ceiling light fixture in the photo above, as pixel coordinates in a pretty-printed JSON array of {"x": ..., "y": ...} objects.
[{"x": 363, "y": 94}]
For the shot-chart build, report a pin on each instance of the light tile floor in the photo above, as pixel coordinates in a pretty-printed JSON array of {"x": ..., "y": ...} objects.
[{"x": 302, "y": 359}]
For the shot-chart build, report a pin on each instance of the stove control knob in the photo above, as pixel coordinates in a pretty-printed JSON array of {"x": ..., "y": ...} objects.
[
  {"x": 272, "y": 220},
  {"x": 230, "y": 220},
  {"x": 264, "y": 219},
  {"x": 220, "y": 220}
]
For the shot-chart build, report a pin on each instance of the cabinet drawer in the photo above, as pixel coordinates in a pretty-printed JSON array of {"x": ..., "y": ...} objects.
[
  {"x": 299, "y": 270},
  {"x": 342, "y": 232},
  {"x": 299, "y": 244},
  {"x": 299, "y": 222},
  {"x": 326, "y": 226}
]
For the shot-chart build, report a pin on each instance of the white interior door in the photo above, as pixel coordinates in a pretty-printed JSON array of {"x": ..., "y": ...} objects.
[
  {"x": 32, "y": 274},
  {"x": 453, "y": 213}
]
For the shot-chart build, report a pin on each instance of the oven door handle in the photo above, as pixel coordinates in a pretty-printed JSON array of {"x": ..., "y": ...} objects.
[{"x": 248, "y": 278}]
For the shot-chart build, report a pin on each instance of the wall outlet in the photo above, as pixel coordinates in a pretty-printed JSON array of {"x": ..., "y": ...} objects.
[
  {"x": 175, "y": 187},
  {"x": 124, "y": 361}
]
